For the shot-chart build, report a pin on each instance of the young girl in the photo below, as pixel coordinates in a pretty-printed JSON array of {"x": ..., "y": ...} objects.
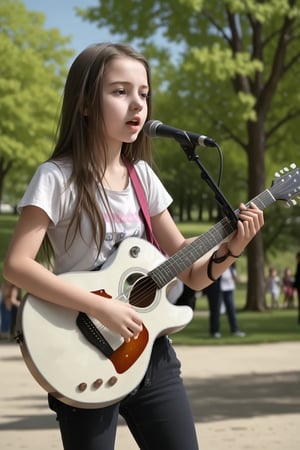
[
  {"x": 273, "y": 286},
  {"x": 83, "y": 202},
  {"x": 288, "y": 288}
]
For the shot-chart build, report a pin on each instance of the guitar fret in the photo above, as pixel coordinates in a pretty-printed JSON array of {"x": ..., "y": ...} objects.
[
  {"x": 188, "y": 255},
  {"x": 264, "y": 200}
]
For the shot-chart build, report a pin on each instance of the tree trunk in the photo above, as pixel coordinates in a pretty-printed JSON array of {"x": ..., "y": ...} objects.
[
  {"x": 4, "y": 169},
  {"x": 1, "y": 181},
  {"x": 200, "y": 210},
  {"x": 255, "y": 253},
  {"x": 256, "y": 281}
]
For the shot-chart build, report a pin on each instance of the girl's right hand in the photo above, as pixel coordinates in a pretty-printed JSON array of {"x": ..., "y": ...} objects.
[{"x": 121, "y": 318}]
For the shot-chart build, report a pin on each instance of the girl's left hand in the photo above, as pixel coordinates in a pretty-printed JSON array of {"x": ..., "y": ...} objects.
[{"x": 250, "y": 221}]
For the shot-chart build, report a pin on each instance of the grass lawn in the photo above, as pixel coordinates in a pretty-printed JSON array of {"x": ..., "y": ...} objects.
[{"x": 260, "y": 327}]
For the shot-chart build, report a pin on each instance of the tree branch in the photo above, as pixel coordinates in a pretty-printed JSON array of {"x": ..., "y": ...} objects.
[
  {"x": 234, "y": 136},
  {"x": 264, "y": 100},
  {"x": 293, "y": 61},
  {"x": 282, "y": 121},
  {"x": 215, "y": 24},
  {"x": 257, "y": 54},
  {"x": 236, "y": 43},
  {"x": 240, "y": 82}
]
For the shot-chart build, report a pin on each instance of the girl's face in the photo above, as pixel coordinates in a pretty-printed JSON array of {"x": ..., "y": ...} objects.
[{"x": 125, "y": 91}]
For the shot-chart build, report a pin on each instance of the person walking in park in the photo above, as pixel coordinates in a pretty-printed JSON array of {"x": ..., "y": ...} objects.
[
  {"x": 297, "y": 282},
  {"x": 273, "y": 287},
  {"x": 10, "y": 301},
  {"x": 288, "y": 288},
  {"x": 222, "y": 291}
]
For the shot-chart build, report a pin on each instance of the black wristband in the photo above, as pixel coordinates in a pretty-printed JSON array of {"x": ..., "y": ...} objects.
[
  {"x": 217, "y": 259},
  {"x": 232, "y": 255},
  {"x": 209, "y": 266}
]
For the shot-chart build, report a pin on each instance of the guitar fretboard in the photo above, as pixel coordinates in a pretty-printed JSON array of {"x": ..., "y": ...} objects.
[{"x": 185, "y": 257}]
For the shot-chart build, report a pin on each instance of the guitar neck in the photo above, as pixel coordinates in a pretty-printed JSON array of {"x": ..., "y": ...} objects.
[{"x": 177, "y": 263}]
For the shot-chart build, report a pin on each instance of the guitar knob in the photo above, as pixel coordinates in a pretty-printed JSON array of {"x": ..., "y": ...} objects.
[
  {"x": 97, "y": 383},
  {"x": 112, "y": 381},
  {"x": 82, "y": 387},
  {"x": 134, "y": 251}
]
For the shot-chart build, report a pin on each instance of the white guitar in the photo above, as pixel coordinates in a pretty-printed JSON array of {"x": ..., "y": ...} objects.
[{"x": 82, "y": 363}]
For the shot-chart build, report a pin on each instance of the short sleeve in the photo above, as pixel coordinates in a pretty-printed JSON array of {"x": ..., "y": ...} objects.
[{"x": 48, "y": 191}]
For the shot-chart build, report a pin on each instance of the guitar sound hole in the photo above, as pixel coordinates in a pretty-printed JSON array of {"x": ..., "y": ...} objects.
[{"x": 143, "y": 292}]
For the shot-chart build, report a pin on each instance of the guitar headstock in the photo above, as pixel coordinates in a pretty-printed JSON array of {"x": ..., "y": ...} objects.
[{"x": 286, "y": 185}]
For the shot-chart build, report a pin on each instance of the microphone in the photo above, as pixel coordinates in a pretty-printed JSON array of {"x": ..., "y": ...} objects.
[{"x": 155, "y": 128}]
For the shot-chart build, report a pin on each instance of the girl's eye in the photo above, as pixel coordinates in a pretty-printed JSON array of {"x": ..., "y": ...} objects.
[
  {"x": 123, "y": 92},
  {"x": 120, "y": 91}
]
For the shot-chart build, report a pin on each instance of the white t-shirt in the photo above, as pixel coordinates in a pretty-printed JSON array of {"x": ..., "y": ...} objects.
[
  {"x": 227, "y": 282},
  {"x": 50, "y": 191}
]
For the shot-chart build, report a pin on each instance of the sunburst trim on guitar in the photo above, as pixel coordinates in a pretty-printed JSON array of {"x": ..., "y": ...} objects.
[{"x": 82, "y": 363}]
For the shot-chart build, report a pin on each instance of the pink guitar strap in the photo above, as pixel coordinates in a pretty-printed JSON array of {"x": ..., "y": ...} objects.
[{"x": 142, "y": 201}]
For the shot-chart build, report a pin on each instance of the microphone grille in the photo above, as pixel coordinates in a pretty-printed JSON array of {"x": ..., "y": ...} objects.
[{"x": 150, "y": 127}]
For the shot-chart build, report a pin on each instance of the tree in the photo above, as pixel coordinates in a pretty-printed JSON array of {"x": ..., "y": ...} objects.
[
  {"x": 32, "y": 71},
  {"x": 232, "y": 66}
]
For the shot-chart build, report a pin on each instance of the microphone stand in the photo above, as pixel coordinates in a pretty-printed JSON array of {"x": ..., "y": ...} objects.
[{"x": 229, "y": 212}]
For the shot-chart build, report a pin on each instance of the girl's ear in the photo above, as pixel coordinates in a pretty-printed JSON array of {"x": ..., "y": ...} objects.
[{"x": 85, "y": 112}]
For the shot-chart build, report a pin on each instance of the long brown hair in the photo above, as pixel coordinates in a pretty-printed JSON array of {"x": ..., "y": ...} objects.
[{"x": 79, "y": 136}]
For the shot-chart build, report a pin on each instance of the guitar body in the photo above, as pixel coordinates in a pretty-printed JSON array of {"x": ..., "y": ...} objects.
[{"x": 66, "y": 364}]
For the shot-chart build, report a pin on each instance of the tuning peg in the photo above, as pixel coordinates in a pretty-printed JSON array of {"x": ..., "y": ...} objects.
[
  {"x": 290, "y": 202},
  {"x": 285, "y": 170}
]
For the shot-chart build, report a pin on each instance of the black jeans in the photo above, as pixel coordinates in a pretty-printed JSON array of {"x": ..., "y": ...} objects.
[
  {"x": 228, "y": 298},
  {"x": 157, "y": 412},
  {"x": 214, "y": 302}
]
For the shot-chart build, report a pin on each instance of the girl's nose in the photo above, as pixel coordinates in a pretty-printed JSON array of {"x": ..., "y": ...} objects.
[
  {"x": 137, "y": 103},
  {"x": 137, "y": 106}
]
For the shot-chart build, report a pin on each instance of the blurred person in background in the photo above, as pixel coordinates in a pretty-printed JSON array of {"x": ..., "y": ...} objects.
[
  {"x": 297, "y": 282},
  {"x": 222, "y": 292},
  {"x": 273, "y": 287},
  {"x": 288, "y": 288},
  {"x": 10, "y": 301}
]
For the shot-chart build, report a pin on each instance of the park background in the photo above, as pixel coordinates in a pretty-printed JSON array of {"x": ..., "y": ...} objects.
[{"x": 227, "y": 69}]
